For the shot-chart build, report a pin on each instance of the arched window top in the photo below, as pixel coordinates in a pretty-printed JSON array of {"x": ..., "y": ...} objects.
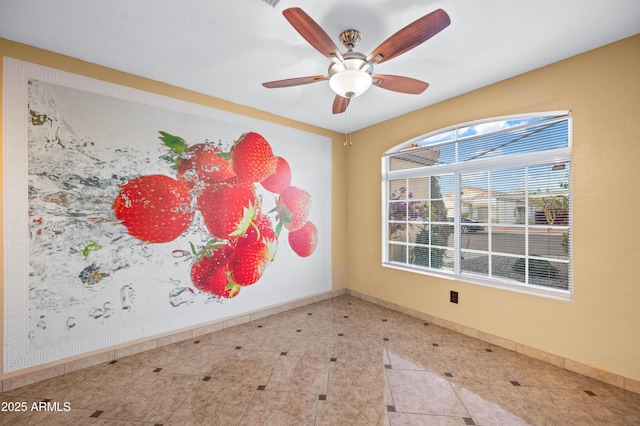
[{"x": 483, "y": 139}]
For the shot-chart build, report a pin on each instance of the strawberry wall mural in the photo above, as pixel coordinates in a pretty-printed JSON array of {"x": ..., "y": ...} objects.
[
  {"x": 220, "y": 186},
  {"x": 146, "y": 215}
]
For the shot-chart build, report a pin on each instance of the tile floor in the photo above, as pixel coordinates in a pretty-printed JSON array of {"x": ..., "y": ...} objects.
[{"x": 343, "y": 361}]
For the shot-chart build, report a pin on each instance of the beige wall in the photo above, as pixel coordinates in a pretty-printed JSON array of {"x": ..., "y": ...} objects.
[
  {"x": 339, "y": 153},
  {"x": 600, "y": 327}
]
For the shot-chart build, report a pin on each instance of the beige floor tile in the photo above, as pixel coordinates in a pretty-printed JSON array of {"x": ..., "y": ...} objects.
[
  {"x": 280, "y": 408},
  {"x": 245, "y": 366},
  {"x": 14, "y": 406},
  {"x": 54, "y": 387},
  {"x": 153, "y": 398},
  {"x": 416, "y": 330},
  {"x": 570, "y": 407},
  {"x": 71, "y": 417},
  {"x": 158, "y": 357},
  {"x": 287, "y": 320},
  {"x": 265, "y": 339},
  {"x": 465, "y": 362},
  {"x": 367, "y": 350},
  {"x": 345, "y": 413},
  {"x": 412, "y": 355},
  {"x": 496, "y": 403},
  {"x": 532, "y": 372},
  {"x": 425, "y": 393},
  {"x": 197, "y": 359},
  {"x": 371, "y": 328},
  {"x": 91, "y": 421},
  {"x": 234, "y": 336},
  {"x": 324, "y": 325},
  {"x": 103, "y": 386},
  {"x": 320, "y": 345},
  {"x": 627, "y": 409},
  {"x": 213, "y": 403},
  {"x": 358, "y": 383},
  {"x": 412, "y": 419},
  {"x": 306, "y": 374}
]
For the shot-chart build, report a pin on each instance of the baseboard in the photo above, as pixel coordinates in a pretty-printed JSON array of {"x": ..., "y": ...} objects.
[
  {"x": 571, "y": 365},
  {"x": 31, "y": 375},
  {"x": 35, "y": 374}
]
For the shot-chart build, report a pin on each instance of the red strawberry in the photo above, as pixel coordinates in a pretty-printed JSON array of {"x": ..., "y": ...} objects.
[
  {"x": 201, "y": 162},
  {"x": 209, "y": 273},
  {"x": 255, "y": 250},
  {"x": 304, "y": 241},
  {"x": 252, "y": 158},
  {"x": 228, "y": 210},
  {"x": 248, "y": 262},
  {"x": 250, "y": 259},
  {"x": 154, "y": 208},
  {"x": 280, "y": 179},
  {"x": 293, "y": 207}
]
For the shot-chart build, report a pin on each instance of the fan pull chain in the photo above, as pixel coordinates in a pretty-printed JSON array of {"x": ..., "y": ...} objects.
[
  {"x": 347, "y": 135},
  {"x": 347, "y": 141}
]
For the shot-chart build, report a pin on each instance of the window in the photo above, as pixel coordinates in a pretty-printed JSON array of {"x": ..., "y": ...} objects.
[{"x": 487, "y": 202}]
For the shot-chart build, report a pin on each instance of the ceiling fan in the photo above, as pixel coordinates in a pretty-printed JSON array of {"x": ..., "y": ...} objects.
[{"x": 351, "y": 73}]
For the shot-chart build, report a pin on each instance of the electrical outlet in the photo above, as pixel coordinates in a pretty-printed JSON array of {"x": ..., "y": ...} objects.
[{"x": 453, "y": 296}]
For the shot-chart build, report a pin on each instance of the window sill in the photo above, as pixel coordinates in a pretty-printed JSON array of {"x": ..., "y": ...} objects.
[{"x": 550, "y": 293}]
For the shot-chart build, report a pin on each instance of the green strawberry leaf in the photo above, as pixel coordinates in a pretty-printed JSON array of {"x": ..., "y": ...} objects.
[
  {"x": 278, "y": 228},
  {"x": 170, "y": 158},
  {"x": 232, "y": 286},
  {"x": 39, "y": 119},
  {"x": 283, "y": 214},
  {"x": 93, "y": 246},
  {"x": 272, "y": 249},
  {"x": 254, "y": 226},
  {"x": 224, "y": 155},
  {"x": 206, "y": 250},
  {"x": 248, "y": 216},
  {"x": 176, "y": 144}
]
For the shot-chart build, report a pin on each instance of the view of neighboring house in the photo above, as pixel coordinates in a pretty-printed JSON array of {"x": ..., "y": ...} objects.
[{"x": 506, "y": 208}]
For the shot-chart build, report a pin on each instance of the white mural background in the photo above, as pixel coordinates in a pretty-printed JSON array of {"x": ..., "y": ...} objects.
[{"x": 75, "y": 280}]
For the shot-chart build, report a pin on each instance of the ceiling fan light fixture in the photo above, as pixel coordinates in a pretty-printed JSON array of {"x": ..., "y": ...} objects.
[{"x": 350, "y": 83}]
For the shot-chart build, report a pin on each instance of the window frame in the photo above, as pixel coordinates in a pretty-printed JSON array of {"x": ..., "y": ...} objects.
[{"x": 554, "y": 155}]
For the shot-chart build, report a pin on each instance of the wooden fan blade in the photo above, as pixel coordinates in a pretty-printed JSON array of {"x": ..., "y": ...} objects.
[
  {"x": 412, "y": 35},
  {"x": 311, "y": 31},
  {"x": 400, "y": 84},
  {"x": 340, "y": 104},
  {"x": 293, "y": 81}
]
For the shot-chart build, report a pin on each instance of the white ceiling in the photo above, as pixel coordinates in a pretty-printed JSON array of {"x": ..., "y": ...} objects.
[{"x": 227, "y": 49}]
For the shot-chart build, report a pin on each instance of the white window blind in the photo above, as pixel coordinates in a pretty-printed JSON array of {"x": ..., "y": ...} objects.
[{"x": 487, "y": 202}]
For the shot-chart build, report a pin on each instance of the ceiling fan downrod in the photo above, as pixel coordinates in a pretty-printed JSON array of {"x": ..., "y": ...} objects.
[{"x": 350, "y": 38}]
